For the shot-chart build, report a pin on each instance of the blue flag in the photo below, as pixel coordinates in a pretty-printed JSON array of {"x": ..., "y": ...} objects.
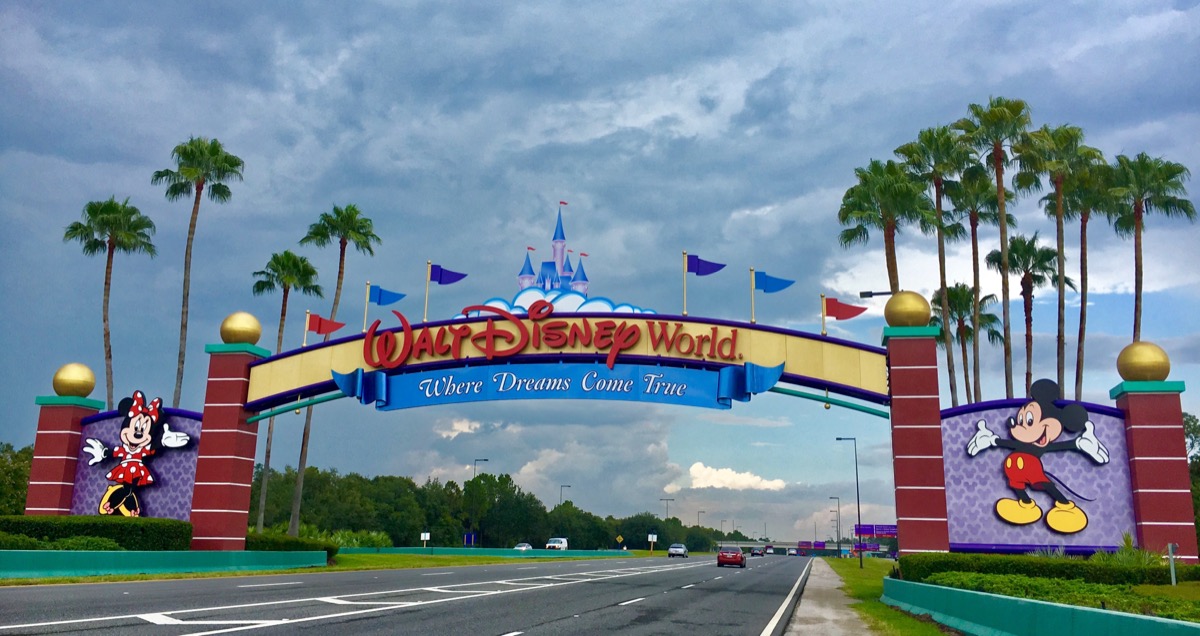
[
  {"x": 381, "y": 296},
  {"x": 770, "y": 284},
  {"x": 443, "y": 276},
  {"x": 701, "y": 267}
]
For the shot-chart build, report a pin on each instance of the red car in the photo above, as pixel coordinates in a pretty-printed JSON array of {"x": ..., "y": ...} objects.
[{"x": 731, "y": 555}]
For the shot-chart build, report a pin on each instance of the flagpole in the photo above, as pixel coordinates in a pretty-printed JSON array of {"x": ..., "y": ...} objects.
[
  {"x": 428, "y": 271},
  {"x": 751, "y": 295},
  {"x": 307, "y": 318},
  {"x": 366, "y": 304},
  {"x": 823, "y": 332},
  {"x": 685, "y": 282}
]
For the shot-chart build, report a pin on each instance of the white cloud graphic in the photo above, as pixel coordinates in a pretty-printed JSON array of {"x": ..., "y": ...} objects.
[{"x": 709, "y": 477}]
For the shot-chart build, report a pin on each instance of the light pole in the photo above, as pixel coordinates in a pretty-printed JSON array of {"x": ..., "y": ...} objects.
[
  {"x": 667, "y": 507},
  {"x": 475, "y": 466},
  {"x": 722, "y": 526},
  {"x": 698, "y": 513},
  {"x": 857, "y": 497},
  {"x": 839, "y": 524},
  {"x": 560, "y": 490},
  {"x": 869, "y": 294}
]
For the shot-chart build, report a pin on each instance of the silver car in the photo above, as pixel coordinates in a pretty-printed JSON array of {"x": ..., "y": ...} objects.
[{"x": 677, "y": 550}]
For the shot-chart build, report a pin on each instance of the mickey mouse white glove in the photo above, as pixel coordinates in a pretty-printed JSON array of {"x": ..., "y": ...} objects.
[
  {"x": 983, "y": 439},
  {"x": 96, "y": 449},
  {"x": 173, "y": 439},
  {"x": 1088, "y": 443}
]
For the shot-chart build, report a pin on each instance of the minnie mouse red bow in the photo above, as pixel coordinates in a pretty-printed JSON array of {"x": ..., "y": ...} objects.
[{"x": 139, "y": 406}]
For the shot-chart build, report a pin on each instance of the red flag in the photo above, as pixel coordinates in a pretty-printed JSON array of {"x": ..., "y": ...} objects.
[
  {"x": 323, "y": 326},
  {"x": 531, "y": 249},
  {"x": 562, "y": 202},
  {"x": 570, "y": 251},
  {"x": 840, "y": 310},
  {"x": 583, "y": 253}
]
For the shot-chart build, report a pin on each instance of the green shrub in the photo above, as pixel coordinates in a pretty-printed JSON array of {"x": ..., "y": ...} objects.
[
  {"x": 277, "y": 542},
  {"x": 10, "y": 541},
  {"x": 1127, "y": 554},
  {"x": 1120, "y": 598},
  {"x": 360, "y": 539},
  {"x": 131, "y": 533},
  {"x": 919, "y": 567},
  {"x": 84, "y": 543}
]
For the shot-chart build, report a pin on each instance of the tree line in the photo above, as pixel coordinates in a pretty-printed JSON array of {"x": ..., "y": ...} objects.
[{"x": 965, "y": 163}]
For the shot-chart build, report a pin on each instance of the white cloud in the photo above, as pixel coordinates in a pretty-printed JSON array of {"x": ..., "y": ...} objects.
[
  {"x": 456, "y": 428},
  {"x": 707, "y": 477}
]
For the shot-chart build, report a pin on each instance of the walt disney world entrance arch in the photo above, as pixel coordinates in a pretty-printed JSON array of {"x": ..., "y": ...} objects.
[{"x": 1075, "y": 476}]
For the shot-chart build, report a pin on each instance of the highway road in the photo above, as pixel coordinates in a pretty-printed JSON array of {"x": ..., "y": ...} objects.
[{"x": 605, "y": 596}]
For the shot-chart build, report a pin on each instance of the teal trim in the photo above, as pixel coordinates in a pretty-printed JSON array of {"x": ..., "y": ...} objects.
[
  {"x": 48, "y": 563},
  {"x": 237, "y": 347},
  {"x": 1171, "y": 386},
  {"x": 910, "y": 332},
  {"x": 828, "y": 400},
  {"x": 68, "y": 400},
  {"x": 489, "y": 552},
  {"x": 995, "y": 615},
  {"x": 298, "y": 405}
]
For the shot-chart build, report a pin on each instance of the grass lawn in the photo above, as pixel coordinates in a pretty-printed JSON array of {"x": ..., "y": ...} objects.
[
  {"x": 866, "y": 586},
  {"x": 1186, "y": 590}
]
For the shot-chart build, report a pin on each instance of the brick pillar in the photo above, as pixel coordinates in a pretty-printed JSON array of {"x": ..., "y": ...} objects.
[
  {"x": 1158, "y": 466},
  {"x": 917, "y": 439},
  {"x": 56, "y": 452},
  {"x": 225, "y": 461}
]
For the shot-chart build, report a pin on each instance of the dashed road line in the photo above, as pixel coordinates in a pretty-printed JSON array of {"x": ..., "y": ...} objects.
[
  {"x": 632, "y": 601},
  {"x": 274, "y": 584}
]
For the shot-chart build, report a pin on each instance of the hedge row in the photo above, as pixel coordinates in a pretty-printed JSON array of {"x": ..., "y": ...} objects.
[
  {"x": 274, "y": 542},
  {"x": 22, "y": 542},
  {"x": 130, "y": 533},
  {"x": 919, "y": 567},
  {"x": 1120, "y": 598}
]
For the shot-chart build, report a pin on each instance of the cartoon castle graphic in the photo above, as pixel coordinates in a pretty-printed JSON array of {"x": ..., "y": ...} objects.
[{"x": 555, "y": 274}]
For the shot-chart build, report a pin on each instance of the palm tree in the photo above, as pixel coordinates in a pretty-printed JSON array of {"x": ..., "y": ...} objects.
[
  {"x": 961, "y": 309},
  {"x": 1143, "y": 185},
  {"x": 285, "y": 271},
  {"x": 348, "y": 227},
  {"x": 935, "y": 156},
  {"x": 199, "y": 162},
  {"x": 111, "y": 227},
  {"x": 1057, "y": 153},
  {"x": 989, "y": 129},
  {"x": 885, "y": 199},
  {"x": 975, "y": 197},
  {"x": 1036, "y": 266}
]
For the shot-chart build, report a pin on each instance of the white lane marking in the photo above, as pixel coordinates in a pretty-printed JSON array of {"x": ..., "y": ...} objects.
[
  {"x": 273, "y": 584},
  {"x": 513, "y": 634},
  {"x": 532, "y": 567},
  {"x": 437, "y": 573},
  {"x": 633, "y": 601},
  {"x": 718, "y": 578},
  {"x": 687, "y": 586},
  {"x": 163, "y": 619},
  {"x": 786, "y": 602}
]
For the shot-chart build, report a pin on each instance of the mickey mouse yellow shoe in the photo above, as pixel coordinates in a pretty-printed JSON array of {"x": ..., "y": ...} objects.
[
  {"x": 1018, "y": 512},
  {"x": 1066, "y": 518}
]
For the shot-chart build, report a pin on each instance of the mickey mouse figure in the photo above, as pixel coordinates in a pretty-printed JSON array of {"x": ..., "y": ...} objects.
[
  {"x": 1033, "y": 431},
  {"x": 138, "y": 433}
]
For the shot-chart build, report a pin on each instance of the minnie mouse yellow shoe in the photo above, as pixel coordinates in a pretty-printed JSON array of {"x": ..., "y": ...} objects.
[
  {"x": 1018, "y": 512},
  {"x": 1066, "y": 518}
]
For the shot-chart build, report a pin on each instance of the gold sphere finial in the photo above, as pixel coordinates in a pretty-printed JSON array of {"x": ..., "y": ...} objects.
[
  {"x": 74, "y": 379},
  {"x": 907, "y": 309},
  {"x": 1143, "y": 362},
  {"x": 240, "y": 328}
]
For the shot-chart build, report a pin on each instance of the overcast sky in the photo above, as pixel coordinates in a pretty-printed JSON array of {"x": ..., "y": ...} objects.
[{"x": 730, "y": 130}]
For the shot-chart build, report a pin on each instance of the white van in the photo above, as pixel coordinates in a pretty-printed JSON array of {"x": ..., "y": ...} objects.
[{"x": 556, "y": 544}]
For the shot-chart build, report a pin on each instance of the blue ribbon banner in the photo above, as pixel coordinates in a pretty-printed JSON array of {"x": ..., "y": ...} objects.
[{"x": 632, "y": 382}]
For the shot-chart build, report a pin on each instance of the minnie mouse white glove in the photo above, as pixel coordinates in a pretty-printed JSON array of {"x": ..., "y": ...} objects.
[
  {"x": 96, "y": 449},
  {"x": 173, "y": 439}
]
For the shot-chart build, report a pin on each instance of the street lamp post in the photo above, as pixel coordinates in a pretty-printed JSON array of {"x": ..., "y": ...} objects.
[
  {"x": 667, "y": 507},
  {"x": 475, "y": 466},
  {"x": 698, "y": 513},
  {"x": 839, "y": 525},
  {"x": 857, "y": 497},
  {"x": 869, "y": 294},
  {"x": 722, "y": 526},
  {"x": 560, "y": 491}
]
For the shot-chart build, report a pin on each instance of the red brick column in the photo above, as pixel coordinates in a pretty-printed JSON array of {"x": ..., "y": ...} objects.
[
  {"x": 1158, "y": 466},
  {"x": 225, "y": 461},
  {"x": 56, "y": 452},
  {"x": 917, "y": 439}
]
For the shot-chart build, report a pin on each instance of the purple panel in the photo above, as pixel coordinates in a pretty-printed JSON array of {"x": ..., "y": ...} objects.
[
  {"x": 174, "y": 470},
  {"x": 974, "y": 484}
]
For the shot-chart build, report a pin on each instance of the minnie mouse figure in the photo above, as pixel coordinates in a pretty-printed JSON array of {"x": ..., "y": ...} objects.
[
  {"x": 1034, "y": 430},
  {"x": 141, "y": 437}
]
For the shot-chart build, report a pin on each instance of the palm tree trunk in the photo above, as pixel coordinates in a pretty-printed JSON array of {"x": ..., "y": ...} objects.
[
  {"x": 266, "y": 474},
  {"x": 975, "y": 302},
  {"x": 1062, "y": 287},
  {"x": 941, "y": 239},
  {"x": 1027, "y": 296},
  {"x": 889, "y": 255},
  {"x": 1137, "y": 270},
  {"x": 108, "y": 373},
  {"x": 998, "y": 165},
  {"x": 187, "y": 286},
  {"x": 1083, "y": 299},
  {"x": 962, "y": 344}
]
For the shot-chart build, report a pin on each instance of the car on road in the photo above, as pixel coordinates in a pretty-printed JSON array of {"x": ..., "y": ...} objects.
[
  {"x": 522, "y": 546},
  {"x": 791, "y": 552},
  {"x": 677, "y": 550},
  {"x": 557, "y": 543},
  {"x": 757, "y": 552},
  {"x": 731, "y": 555}
]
